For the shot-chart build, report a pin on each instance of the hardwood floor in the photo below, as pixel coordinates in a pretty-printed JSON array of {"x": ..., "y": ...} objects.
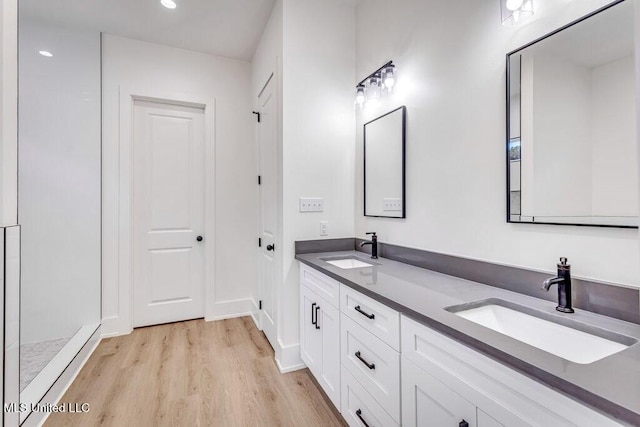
[{"x": 194, "y": 373}]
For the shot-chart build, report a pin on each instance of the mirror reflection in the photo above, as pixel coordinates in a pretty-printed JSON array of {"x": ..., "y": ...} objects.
[
  {"x": 384, "y": 150},
  {"x": 572, "y": 150}
]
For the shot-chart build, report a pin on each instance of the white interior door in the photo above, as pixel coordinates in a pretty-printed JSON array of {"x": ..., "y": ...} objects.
[
  {"x": 168, "y": 210},
  {"x": 268, "y": 164}
]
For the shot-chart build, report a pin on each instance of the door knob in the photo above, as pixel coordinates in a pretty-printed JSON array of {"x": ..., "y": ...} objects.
[
  {"x": 199, "y": 238},
  {"x": 271, "y": 247}
]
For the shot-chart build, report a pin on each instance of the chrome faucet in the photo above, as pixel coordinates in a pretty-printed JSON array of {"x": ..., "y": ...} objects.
[
  {"x": 374, "y": 244},
  {"x": 563, "y": 280}
]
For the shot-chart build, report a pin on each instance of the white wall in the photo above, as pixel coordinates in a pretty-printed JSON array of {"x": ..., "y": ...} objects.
[
  {"x": 140, "y": 66},
  {"x": 59, "y": 181},
  {"x": 614, "y": 146},
  {"x": 318, "y": 133},
  {"x": 454, "y": 90}
]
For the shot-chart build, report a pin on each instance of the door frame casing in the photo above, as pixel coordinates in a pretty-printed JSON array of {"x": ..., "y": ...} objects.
[{"x": 125, "y": 231}]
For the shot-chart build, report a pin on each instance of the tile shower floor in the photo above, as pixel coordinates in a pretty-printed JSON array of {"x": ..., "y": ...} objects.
[{"x": 35, "y": 356}]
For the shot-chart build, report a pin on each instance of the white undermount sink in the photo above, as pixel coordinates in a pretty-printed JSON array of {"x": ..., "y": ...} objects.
[
  {"x": 563, "y": 341},
  {"x": 347, "y": 263}
]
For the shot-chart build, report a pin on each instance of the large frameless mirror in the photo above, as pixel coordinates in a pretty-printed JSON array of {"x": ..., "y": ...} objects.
[
  {"x": 384, "y": 165},
  {"x": 571, "y": 124}
]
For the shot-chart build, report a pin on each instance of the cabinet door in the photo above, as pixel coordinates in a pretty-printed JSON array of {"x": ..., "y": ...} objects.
[
  {"x": 310, "y": 339},
  {"x": 427, "y": 402},
  {"x": 329, "y": 375},
  {"x": 484, "y": 420}
]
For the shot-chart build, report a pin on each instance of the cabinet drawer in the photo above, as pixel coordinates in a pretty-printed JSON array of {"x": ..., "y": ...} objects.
[
  {"x": 377, "y": 318},
  {"x": 373, "y": 363},
  {"x": 320, "y": 283},
  {"x": 503, "y": 394},
  {"x": 359, "y": 407}
]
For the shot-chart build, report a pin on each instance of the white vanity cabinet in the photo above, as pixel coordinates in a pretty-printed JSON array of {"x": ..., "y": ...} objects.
[
  {"x": 383, "y": 369},
  {"x": 320, "y": 341},
  {"x": 458, "y": 384},
  {"x": 370, "y": 357}
]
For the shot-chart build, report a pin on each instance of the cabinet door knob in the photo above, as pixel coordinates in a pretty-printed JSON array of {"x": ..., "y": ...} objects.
[
  {"x": 463, "y": 423},
  {"x": 359, "y": 414},
  {"x": 367, "y": 364},
  {"x": 199, "y": 238},
  {"x": 364, "y": 313},
  {"x": 314, "y": 320},
  {"x": 271, "y": 247}
]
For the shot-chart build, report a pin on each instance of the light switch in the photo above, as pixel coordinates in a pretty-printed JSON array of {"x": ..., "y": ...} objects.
[
  {"x": 392, "y": 205},
  {"x": 324, "y": 228},
  {"x": 311, "y": 204}
]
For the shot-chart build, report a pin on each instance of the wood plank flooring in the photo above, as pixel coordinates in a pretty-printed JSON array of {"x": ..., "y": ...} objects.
[{"x": 194, "y": 373}]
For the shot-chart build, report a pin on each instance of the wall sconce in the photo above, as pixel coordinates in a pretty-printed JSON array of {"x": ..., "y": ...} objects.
[
  {"x": 382, "y": 81},
  {"x": 515, "y": 12}
]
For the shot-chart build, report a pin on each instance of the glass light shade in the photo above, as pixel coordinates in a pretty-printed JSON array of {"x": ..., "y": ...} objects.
[
  {"x": 389, "y": 77},
  {"x": 360, "y": 98},
  {"x": 373, "y": 91},
  {"x": 514, "y": 12}
]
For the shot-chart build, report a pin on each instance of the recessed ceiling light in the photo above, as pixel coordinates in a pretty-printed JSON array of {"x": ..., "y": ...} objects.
[
  {"x": 45, "y": 53},
  {"x": 169, "y": 4}
]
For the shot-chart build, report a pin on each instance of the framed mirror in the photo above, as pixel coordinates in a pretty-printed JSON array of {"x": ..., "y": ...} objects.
[
  {"x": 571, "y": 124},
  {"x": 384, "y": 165}
]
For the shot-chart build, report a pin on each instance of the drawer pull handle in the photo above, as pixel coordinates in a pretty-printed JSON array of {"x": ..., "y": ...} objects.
[
  {"x": 463, "y": 423},
  {"x": 359, "y": 414},
  {"x": 317, "y": 326},
  {"x": 364, "y": 313},
  {"x": 367, "y": 364},
  {"x": 313, "y": 312}
]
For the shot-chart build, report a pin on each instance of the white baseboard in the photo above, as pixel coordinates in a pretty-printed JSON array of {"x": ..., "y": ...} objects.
[
  {"x": 60, "y": 387},
  {"x": 229, "y": 310},
  {"x": 256, "y": 321},
  {"x": 114, "y": 326},
  {"x": 288, "y": 358}
]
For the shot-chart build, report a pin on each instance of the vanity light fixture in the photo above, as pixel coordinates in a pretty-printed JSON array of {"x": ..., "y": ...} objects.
[
  {"x": 514, "y": 12},
  {"x": 45, "y": 53},
  {"x": 169, "y": 4},
  {"x": 376, "y": 84}
]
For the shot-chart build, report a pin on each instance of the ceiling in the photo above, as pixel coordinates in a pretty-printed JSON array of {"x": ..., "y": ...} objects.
[{"x": 230, "y": 28}]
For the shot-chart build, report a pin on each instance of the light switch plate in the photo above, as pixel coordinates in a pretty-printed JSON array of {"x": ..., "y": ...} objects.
[
  {"x": 324, "y": 228},
  {"x": 392, "y": 205},
  {"x": 311, "y": 204}
]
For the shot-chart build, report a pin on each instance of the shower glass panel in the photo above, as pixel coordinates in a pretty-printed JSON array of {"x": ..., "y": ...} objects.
[{"x": 59, "y": 194}]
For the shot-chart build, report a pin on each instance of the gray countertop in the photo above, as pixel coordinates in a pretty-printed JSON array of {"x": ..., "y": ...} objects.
[{"x": 610, "y": 385}]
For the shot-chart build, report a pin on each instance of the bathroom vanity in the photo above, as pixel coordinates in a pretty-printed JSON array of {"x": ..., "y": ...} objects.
[{"x": 393, "y": 344}]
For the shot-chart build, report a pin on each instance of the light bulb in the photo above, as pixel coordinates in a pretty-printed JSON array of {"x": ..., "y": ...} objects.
[
  {"x": 360, "y": 95},
  {"x": 390, "y": 77},
  {"x": 169, "y": 4},
  {"x": 528, "y": 6},
  {"x": 45, "y": 53},
  {"x": 513, "y": 4}
]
